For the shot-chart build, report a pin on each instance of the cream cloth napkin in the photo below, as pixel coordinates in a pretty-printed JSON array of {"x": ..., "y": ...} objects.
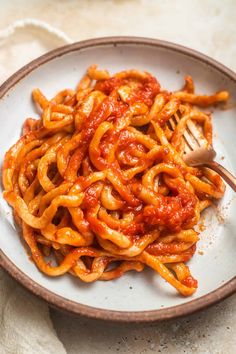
[{"x": 25, "y": 324}]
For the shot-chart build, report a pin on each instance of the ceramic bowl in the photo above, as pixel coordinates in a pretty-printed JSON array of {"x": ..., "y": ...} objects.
[{"x": 135, "y": 296}]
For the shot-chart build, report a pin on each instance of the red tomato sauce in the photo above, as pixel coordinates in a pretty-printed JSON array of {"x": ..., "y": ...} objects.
[
  {"x": 190, "y": 282},
  {"x": 144, "y": 92},
  {"x": 172, "y": 212}
]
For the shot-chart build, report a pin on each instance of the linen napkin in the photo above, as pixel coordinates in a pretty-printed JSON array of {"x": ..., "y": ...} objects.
[{"x": 25, "y": 324}]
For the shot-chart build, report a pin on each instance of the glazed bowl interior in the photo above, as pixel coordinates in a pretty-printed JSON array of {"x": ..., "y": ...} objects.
[{"x": 135, "y": 296}]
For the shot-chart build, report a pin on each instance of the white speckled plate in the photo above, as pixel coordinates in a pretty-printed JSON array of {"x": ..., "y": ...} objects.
[{"x": 135, "y": 296}]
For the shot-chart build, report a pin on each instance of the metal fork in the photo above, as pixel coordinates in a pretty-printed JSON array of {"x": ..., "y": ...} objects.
[{"x": 198, "y": 152}]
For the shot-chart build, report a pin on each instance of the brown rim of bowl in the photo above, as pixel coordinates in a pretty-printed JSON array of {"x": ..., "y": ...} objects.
[{"x": 58, "y": 301}]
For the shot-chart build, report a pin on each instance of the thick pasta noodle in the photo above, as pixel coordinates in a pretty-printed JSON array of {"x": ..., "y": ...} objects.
[{"x": 99, "y": 185}]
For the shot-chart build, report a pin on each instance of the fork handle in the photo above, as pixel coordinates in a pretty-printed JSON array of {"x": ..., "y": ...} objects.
[{"x": 225, "y": 174}]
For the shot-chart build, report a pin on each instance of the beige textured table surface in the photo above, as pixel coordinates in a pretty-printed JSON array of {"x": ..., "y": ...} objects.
[{"x": 208, "y": 26}]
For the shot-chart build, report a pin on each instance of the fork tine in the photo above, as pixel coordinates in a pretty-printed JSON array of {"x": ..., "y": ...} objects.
[
  {"x": 190, "y": 142},
  {"x": 187, "y": 149},
  {"x": 192, "y": 135},
  {"x": 172, "y": 124},
  {"x": 197, "y": 134}
]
